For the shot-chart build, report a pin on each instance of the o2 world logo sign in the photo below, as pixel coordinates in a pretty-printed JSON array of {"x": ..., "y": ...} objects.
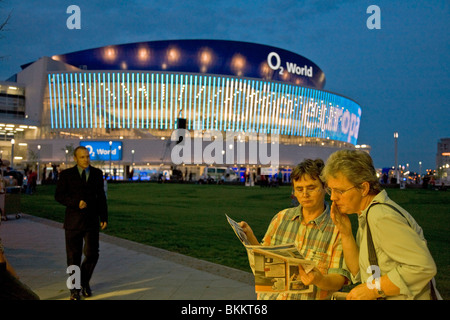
[{"x": 274, "y": 62}]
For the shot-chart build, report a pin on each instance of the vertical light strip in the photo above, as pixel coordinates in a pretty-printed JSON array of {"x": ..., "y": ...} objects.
[
  {"x": 147, "y": 100},
  {"x": 307, "y": 102},
  {"x": 119, "y": 99},
  {"x": 244, "y": 105},
  {"x": 283, "y": 108},
  {"x": 233, "y": 94},
  {"x": 133, "y": 101},
  {"x": 76, "y": 100},
  {"x": 72, "y": 104},
  {"x": 276, "y": 108},
  {"x": 208, "y": 114},
  {"x": 127, "y": 88},
  {"x": 258, "y": 106},
  {"x": 122, "y": 111},
  {"x": 213, "y": 105},
  {"x": 220, "y": 102},
  {"x": 85, "y": 101},
  {"x": 108, "y": 93},
  {"x": 50, "y": 100},
  {"x": 270, "y": 108},
  {"x": 263, "y": 120},
  {"x": 239, "y": 102},
  {"x": 91, "y": 120},
  {"x": 63, "y": 105},
  {"x": 296, "y": 112},
  {"x": 77, "y": 95},
  {"x": 136, "y": 99},
  {"x": 171, "y": 103},
  {"x": 166, "y": 104},
  {"x": 199, "y": 103},
  {"x": 304, "y": 111},
  {"x": 310, "y": 112},
  {"x": 143, "y": 95},
  {"x": 98, "y": 107},
  {"x": 288, "y": 109},
  {"x": 176, "y": 101},
  {"x": 316, "y": 112},
  {"x": 56, "y": 104},
  {"x": 115, "y": 83},
  {"x": 226, "y": 102},
  {"x": 251, "y": 106},
  {"x": 185, "y": 101},
  {"x": 190, "y": 102},
  {"x": 80, "y": 94},
  {"x": 194, "y": 107},
  {"x": 67, "y": 100},
  {"x": 59, "y": 101},
  {"x": 288, "y": 124},
  {"x": 161, "y": 102},
  {"x": 299, "y": 127},
  {"x": 204, "y": 103},
  {"x": 267, "y": 107},
  {"x": 152, "y": 119},
  {"x": 104, "y": 99}
]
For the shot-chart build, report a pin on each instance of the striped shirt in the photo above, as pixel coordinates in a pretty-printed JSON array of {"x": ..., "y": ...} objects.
[{"x": 318, "y": 240}]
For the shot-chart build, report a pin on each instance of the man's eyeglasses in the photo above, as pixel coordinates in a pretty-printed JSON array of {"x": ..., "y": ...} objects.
[{"x": 337, "y": 191}]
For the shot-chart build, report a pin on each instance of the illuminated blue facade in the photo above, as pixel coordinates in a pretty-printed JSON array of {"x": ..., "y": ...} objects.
[{"x": 214, "y": 85}]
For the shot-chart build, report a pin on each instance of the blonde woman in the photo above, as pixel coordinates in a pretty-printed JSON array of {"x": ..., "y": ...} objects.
[{"x": 403, "y": 264}]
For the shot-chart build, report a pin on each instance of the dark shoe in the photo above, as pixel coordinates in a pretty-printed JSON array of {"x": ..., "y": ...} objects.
[
  {"x": 86, "y": 291},
  {"x": 75, "y": 295}
]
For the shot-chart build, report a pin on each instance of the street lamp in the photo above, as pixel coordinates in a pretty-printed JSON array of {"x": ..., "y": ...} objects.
[
  {"x": 132, "y": 163},
  {"x": 110, "y": 146},
  {"x": 12, "y": 152},
  {"x": 397, "y": 174},
  {"x": 120, "y": 158},
  {"x": 420, "y": 169},
  {"x": 39, "y": 164}
]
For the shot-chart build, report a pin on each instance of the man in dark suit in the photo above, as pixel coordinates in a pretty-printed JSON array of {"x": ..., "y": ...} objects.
[{"x": 80, "y": 190}]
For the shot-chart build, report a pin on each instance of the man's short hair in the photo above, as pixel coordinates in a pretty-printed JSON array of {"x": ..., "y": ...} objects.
[{"x": 79, "y": 148}]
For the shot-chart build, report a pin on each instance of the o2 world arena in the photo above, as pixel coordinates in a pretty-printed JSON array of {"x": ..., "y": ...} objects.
[{"x": 199, "y": 106}]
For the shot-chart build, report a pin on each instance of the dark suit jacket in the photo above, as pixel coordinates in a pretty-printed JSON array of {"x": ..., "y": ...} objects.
[{"x": 70, "y": 189}]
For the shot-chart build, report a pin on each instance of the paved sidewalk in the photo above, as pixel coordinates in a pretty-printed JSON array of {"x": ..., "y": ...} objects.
[{"x": 126, "y": 270}]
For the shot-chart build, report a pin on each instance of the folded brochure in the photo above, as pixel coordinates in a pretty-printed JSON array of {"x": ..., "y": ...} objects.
[{"x": 275, "y": 267}]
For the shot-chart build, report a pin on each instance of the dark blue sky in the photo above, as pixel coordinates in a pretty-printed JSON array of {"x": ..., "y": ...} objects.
[{"x": 399, "y": 74}]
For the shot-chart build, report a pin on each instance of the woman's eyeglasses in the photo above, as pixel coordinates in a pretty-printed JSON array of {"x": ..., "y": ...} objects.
[{"x": 337, "y": 191}]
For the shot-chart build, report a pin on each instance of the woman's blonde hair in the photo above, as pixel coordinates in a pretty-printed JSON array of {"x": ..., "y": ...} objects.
[{"x": 357, "y": 166}]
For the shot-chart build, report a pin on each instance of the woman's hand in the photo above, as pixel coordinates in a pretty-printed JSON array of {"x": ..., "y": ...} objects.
[
  {"x": 341, "y": 220},
  {"x": 249, "y": 233}
]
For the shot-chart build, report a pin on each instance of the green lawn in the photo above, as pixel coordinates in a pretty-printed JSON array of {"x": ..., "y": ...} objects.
[{"x": 190, "y": 219}]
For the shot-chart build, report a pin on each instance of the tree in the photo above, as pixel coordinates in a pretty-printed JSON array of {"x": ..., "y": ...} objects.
[{"x": 3, "y": 29}]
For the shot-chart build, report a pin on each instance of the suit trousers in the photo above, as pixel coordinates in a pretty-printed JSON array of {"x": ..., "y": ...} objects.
[{"x": 74, "y": 250}]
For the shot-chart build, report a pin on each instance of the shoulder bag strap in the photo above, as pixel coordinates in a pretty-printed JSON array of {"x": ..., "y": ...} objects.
[
  {"x": 371, "y": 248},
  {"x": 373, "y": 256}
]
